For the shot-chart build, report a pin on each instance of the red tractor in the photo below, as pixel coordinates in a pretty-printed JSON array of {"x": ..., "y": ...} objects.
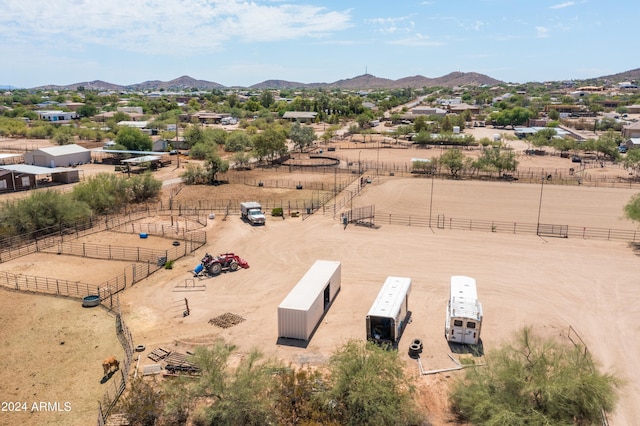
[{"x": 215, "y": 264}]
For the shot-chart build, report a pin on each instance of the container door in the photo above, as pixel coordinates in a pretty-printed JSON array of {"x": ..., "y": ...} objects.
[
  {"x": 327, "y": 296},
  {"x": 457, "y": 331},
  {"x": 470, "y": 333}
]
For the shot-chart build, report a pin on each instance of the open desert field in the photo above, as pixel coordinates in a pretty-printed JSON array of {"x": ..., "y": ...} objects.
[{"x": 547, "y": 283}]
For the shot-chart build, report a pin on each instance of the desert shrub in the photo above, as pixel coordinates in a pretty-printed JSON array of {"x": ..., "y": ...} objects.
[{"x": 535, "y": 381}]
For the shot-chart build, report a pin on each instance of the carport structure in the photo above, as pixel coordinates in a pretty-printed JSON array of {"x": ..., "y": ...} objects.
[
  {"x": 21, "y": 177},
  {"x": 152, "y": 160}
]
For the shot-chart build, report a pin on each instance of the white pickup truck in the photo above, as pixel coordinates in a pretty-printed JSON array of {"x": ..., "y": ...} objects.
[{"x": 252, "y": 212}]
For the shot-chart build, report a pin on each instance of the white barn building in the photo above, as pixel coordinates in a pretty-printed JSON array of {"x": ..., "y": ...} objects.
[{"x": 58, "y": 156}]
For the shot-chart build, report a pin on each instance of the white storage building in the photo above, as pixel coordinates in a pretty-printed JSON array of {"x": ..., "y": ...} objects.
[
  {"x": 58, "y": 156},
  {"x": 301, "y": 311}
]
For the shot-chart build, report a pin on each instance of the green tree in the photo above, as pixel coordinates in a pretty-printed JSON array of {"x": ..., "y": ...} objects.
[
  {"x": 454, "y": 160},
  {"x": 420, "y": 124},
  {"x": 143, "y": 187},
  {"x": 367, "y": 386},
  {"x": 194, "y": 174},
  {"x": 193, "y": 135},
  {"x": 270, "y": 143},
  {"x": 296, "y": 391},
  {"x": 42, "y": 212},
  {"x": 144, "y": 402},
  {"x": 266, "y": 99},
  {"x": 495, "y": 159},
  {"x": 121, "y": 116},
  {"x": 607, "y": 144},
  {"x": 632, "y": 160},
  {"x": 239, "y": 397},
  {"x": 241, "y": 159},
  {"x": 632, "y": 208},
  {"x": 87, "y": 110},
  {"x": 535, "y": 381},
  {"x": 543, "y": 137},
  {"x": 237, "y": 142},
  {"x": 63, "y": 135},
  {"x": 215, "y": 165},
  {"x": 554, "y": 114},
  {"x": 133, "y": 139},
  {"x": 302, "y": 136},
  {"x": 103, "y": 192}
]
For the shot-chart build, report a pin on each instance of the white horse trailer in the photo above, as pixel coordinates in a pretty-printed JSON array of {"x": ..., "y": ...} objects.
[
  {"x": 464, "y": 312},
  {"x": 303, "y": 308},
  {"x": 390, "y": 311}
]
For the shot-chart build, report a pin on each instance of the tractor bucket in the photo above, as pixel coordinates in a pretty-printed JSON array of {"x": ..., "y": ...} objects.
[{"x": 243, "y": 263}]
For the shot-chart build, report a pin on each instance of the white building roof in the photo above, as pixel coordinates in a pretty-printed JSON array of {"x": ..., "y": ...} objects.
[
  {"x": 302, "y": 296},
  {"x": 63, "y": 149},
  {"x": 300, "y": 114},
  {"x": 143, "y": 159},
  {"x": 137, "y": 124},
  {"x": 9, "y": 155},
  {"x": 35, "y": 170}
]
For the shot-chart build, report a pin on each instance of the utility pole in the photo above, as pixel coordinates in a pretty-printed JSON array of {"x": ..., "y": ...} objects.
[{"x": 178, "y": 151}]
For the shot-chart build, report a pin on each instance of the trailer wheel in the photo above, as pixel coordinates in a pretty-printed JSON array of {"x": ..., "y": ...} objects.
[
  {"x": 233, "y": 266},
  {"x": 215, "y": 269}
]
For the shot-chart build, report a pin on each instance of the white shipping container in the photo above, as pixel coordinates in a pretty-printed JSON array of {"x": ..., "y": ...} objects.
[{"x": 303, "y": 308}]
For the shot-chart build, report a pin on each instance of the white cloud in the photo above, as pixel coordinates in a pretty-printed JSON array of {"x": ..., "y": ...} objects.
[
  {"x": 416, "y": 40},
  {"x": 161, "y": 26},
  {"x": 562, "y": 5},
  {"x": 392, "y": 25},
  {"x": 542, "y": 32}
]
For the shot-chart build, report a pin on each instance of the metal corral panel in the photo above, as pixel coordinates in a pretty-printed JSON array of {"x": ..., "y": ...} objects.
[
  {"x": 302, "y": 309},
  {"x": 391, "y": 297}
]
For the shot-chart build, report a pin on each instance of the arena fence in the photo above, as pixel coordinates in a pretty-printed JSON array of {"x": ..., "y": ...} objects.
[
  {"x": 577, "y": 341},
  {"x": 22, "y": 245},
  {"x": 118, "y": 386},
  {"x": 564, "y": 231}
]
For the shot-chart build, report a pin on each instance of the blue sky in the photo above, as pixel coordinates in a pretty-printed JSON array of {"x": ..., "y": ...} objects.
[{"x": 233, "y": 42}]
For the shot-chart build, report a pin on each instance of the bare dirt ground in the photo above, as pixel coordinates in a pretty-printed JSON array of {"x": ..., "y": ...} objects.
[{"x": 549, "y": 284}]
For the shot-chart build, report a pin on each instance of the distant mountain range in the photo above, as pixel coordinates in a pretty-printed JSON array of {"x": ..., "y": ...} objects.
[{"x": 363, "y": 82}]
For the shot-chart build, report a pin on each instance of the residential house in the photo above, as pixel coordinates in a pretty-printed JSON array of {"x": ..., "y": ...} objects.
[
  {"x": 631, "y": 131},
  {"x": 57, "y": 116},
  {"x": 302, "y": 116}
]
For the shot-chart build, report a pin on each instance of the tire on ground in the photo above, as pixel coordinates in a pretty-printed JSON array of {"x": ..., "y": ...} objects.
[
  {"x": 418, "y": 342},
  {"x": 414, "y": 350}
]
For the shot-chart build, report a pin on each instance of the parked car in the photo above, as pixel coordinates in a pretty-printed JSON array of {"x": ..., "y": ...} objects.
[{"x": 576, "y": 159}]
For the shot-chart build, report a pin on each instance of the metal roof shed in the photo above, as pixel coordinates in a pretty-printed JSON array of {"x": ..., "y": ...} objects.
[
  {"x": 301, "y": 311},
  {"x": 58, "y": 156}
]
